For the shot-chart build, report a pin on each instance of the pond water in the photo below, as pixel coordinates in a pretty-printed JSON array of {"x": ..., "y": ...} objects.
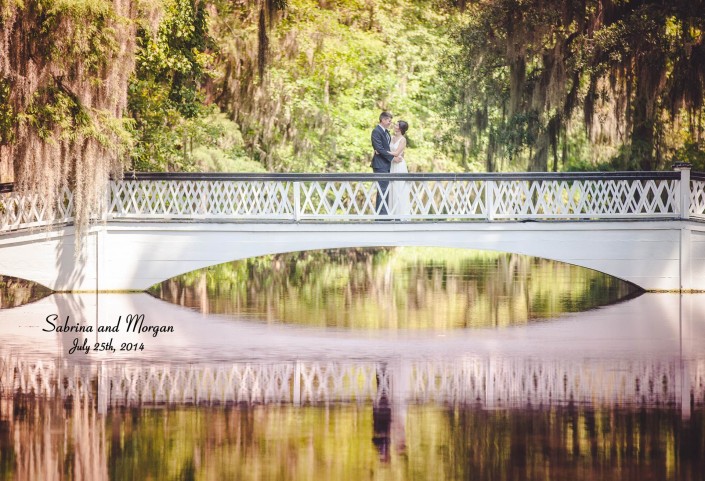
[
  {"x": 405, "y": 288},
  {"x": 403, "y": 364}
]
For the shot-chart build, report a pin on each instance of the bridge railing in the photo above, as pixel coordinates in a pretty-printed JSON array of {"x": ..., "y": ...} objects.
[
  {"x": 20, "y": 211},
  {"x": 352, "y": 197},
  {"x": 295, "y": 197},
  {"x": 697, "y": 195}
]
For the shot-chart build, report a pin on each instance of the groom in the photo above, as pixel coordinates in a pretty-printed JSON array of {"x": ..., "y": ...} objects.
[{"x": 382, "y": 160}]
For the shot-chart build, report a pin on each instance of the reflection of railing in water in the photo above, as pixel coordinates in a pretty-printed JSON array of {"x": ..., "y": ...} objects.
[{"x": 483, "y": 381}]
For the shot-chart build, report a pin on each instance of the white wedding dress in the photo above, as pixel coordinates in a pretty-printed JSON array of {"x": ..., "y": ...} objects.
[{"x": 399, "y": 191}]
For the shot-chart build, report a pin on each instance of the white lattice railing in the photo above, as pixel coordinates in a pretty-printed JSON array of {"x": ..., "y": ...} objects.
[
  {"x": 25, "y": 211},
  {"x": 430, "y": 197},
  {"x": 488, "y": 381},
  {"x": 697, "y": 196},
  {"x": 352, "y": 197}
]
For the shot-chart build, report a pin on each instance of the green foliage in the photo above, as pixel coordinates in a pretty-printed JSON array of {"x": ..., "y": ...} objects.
[
  {"x": 82, "y": 46},
  {"x": 175, "y": 128},
  {"x": 332, "y": 68},
  {"x": 7, "y": 115},
  {"x": 176, "y": 58},
  {"x": 219, "y": 146},
  {"x": 692, "y": 153},
  {"x": 59, "y": 87},
  {"x": 298, "y": 85},
  {"x": 527, "y": 77},
  {"x": 168, "y": 141},
  {"x": 76, "y": 37},
  {"x": 56, "y": 114}
]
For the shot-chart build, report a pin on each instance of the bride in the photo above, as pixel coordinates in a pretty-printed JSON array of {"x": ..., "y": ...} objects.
[{"x": 400, "y": 203}]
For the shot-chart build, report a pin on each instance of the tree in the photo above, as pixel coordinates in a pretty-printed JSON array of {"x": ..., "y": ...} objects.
[
  {"x": 63, "y": 77},
  {"x": 523, "y": 70}
]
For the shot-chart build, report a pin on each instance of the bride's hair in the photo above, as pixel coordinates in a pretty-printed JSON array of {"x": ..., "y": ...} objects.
[{"x": 403, "y": 127}]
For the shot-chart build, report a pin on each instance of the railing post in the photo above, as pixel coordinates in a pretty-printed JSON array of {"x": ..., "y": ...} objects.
[
  {"x": 297, "y": 383},
  {"x": 684, "y": 188},
  {"x": 103, "y": 389},
  {"x": 489, "y": 199},
  {"x": 489, "y": 383},
  {"x": 297, "y": 201},
  {"x": 203, "y": 201}
]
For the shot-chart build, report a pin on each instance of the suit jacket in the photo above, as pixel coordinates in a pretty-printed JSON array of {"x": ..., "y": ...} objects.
[{"x": 381, "y": 162}]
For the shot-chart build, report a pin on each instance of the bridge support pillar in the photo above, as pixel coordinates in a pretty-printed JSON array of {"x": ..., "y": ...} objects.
[{"x": 686, "y": 268}]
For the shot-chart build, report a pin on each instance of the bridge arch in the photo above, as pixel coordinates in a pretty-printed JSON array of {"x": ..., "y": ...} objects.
[{"x": 132, "y": 256}]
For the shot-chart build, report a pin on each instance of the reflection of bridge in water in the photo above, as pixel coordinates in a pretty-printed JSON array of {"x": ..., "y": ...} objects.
[
  {"x": 486, "y": 382},
  {"x": 42, "y": 442}
]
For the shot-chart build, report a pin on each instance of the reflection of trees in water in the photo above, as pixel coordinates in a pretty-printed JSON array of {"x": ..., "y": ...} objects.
[
  {"x": 16, "y": 292},
  {"x": 51, "y": 427},
  {"x": 573, "y": 443},
  {"x": 51, "y": 439},
  {"x": 48, "y": 440},
  {"x": 406, "y": 287}
]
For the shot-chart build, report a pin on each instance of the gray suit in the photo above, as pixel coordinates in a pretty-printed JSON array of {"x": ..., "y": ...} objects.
[{"x": 381, "y": 163}]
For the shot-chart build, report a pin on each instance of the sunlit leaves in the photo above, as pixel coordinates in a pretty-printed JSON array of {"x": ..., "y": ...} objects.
[
  {"x": 332, "y": 67},
  {"x": 623, "y": 72},
  {"x": 7, "y": 115},
  {"x": 165, "y": 94}
]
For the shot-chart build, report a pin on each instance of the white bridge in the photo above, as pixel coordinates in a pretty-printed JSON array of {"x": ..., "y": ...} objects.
[{"x": 644, "y": 227}]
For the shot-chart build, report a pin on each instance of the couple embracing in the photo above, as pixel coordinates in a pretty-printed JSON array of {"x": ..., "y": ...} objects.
[{"x": 392, "y": 197}]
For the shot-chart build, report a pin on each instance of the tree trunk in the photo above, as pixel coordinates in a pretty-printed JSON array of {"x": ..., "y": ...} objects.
[{"x": 642, "y": 150}]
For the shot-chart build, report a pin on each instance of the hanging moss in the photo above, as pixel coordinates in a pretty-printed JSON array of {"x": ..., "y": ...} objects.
[
  {"x": 7, "y": 116},
  {"x": 634, "y": 68},
  {"x": 65, "y": 66}
]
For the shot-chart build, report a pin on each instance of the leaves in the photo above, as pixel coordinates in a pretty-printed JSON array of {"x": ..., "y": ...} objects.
[
  {"x": 530, "y": 75},
  {"x": 331, "y": 70}
]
